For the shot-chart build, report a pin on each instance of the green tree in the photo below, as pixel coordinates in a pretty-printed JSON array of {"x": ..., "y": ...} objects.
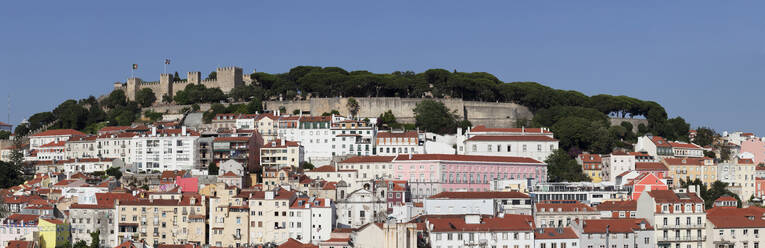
[
  {"x": 296, "y": 112},
  {"x": 145, "y": 97},
  {"x": 4, "y": 135},
  {"x": 212, "y": 169},
  {"x": 153, "y": 116},
  {"x": 114, "y": 172},
  {"x": 330, "y": 113},
  {"x": 10, "y": 174},
  {"x": 434, "y": 116},
  {"x": 95, "y": 239},
  {"x": 705, "y": 136},
  {"x": 562, "y": 168},
  {"x": 79, "y": 244},
  {"x": 353, "y": 106},
  {"x": 166, "y": 98},
  {"x": 387, "y": 119},
  {"x": 115, "y": 99},
  {"x": 308, "y": 166}
]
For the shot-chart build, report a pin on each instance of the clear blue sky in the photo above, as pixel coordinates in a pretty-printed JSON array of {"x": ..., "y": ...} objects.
[{"x": 702, "y": 60}]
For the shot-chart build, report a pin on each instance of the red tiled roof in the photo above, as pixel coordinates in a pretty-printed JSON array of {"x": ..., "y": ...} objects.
[
  {"x": 614, "y": 225},
  {"x": 479, "y": 195},
  {"x": 684, "y": 161},
  {"x": 556, "y": 233},
  {"x": 745, "y": 161},
  {"x": 281, "y": 195},
  {"x": 729, "y": 217},
  {"x": 229, "y": 174},
  {"x": 22, "y": 217},
  {"x": 292, "y": 243},
  {"x": 20, "y": 243},
  {"x": 650, "y": 166},
  {"x": 590, "y": 158},
  {"x": 668, "y": 196},
  {"x": 482, "y": 128},
  {"x": 326, "y": 168},
  {"x": 684, "y": 145},
  {"x": 369, "y": 159},
  {"x": 511, "y": 138},
  {"x": 54, "y": 221},
  {"x": 59, "y": 132},
  {"x": 630, "y": 205},
  {"x": 315, "y": 118},
  {"x": 4, "y": 124},
  {"x": 493, "y": 224},
  {"x": 316, "y": 203},
  {"x": 467, "y": 158}
]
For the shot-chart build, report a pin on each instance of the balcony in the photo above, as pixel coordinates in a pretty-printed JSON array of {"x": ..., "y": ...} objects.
[
  {"x": 682, "y": 239},
  {"x": 681, "y": 226}
]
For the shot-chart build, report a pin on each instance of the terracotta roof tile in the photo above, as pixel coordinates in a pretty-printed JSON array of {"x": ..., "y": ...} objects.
[
  {"x": 650, "y": 166},
  {"x": 368, "y": 159},
  {"x": 60, "y": 132},
  {"x": 630, "y": 205},
  {"x": 730, "y": 217},
  {"x": 555, "y": 233},
  {"x": 614, "y": 225},
  {"x": 668, "y": 196},
  {"x": 493, "y": 224}
]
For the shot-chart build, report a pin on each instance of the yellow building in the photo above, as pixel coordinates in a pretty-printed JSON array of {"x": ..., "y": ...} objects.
[
  {"x": 591, "y": 166},
  {"x": 280, "y": 153},
  {"x": 53, "y": 233},
  {"x": 689, "y": 169},
  {"x": 163, "y": 221},
  {"x": 229, "y": 218}
]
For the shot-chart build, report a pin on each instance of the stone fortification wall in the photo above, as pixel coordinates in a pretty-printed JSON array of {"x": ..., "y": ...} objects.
[
  {"x": 635, "y": 122},
  {"x": 495, "y": 114},
  {"x": 227, "y": 78}
]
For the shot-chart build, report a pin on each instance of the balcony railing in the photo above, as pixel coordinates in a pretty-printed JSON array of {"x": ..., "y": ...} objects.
[
  {"x": 681, "y": 226},
  {"x": 682, "y": 238}
]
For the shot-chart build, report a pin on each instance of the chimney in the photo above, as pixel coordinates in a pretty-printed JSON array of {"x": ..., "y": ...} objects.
[
  {"x": 410, "y": 156},
  {"x": 153, "y": 131},
  {"x": 327, "y": 202},
  {"x": 283, "y": 142},
  {"x": 183, "y": 130},
  {"x": 642, "y": 225}
]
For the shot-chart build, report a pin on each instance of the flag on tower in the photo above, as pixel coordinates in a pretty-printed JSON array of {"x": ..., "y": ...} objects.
[
  {"x": 167, "y": 61},
  {"x": 135, "y": 66}
]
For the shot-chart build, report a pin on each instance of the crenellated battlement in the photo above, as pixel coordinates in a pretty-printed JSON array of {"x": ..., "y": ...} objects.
[{"x": 227, "y": 78}]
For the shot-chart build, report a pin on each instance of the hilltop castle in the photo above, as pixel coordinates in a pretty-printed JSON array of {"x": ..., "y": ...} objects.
[{"x": 227, "y": 78}]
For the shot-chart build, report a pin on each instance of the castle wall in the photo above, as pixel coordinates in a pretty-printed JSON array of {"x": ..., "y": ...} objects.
[
  {"x": 227, "y": 79},
  {"x": 479, "y": 113},
  {"x": 635, "y": 122}
]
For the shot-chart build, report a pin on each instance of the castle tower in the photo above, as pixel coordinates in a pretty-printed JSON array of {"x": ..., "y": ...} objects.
[
  {"x": 165, "y": 85},
  {"x": 228, "y": 78},
  {"x": 133, "y": 84},
  {"x": 194, "y": 77}
]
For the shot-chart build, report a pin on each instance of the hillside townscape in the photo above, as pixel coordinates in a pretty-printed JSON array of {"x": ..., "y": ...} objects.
[{"x": 325, "y": 157}]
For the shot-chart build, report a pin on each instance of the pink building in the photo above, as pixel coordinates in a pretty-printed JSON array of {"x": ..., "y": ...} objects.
[
  {"x": 430, "y": 174},
  {"x": 755, "y": 147}
]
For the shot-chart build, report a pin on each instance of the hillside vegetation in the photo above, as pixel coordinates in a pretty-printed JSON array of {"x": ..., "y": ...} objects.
[{"x": 579, "y": 121}]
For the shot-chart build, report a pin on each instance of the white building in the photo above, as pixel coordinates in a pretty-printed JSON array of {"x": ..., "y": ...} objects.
[
  {"x": 398, "y": 142},
  {"x": 312, "y": 132},
  {"x": 615, "y": 164},
  {"x": 369, "y": 167},
  {"x": 87, "y": 218},
  {"x": 556, "y": 237},
  {"x": 352, "y": 137},
  {"x": 536, "y": 143},
  {"x": 360, "y": 207},
  {"x": 52, "y": 136},
  {"x": 678, "y": 218},
  {"x": 735, "y": 227},
  {"x": 165, "y": 149},
  {"x": 311, "y": 219},
  {"x": 484, "y": 203},
  {"x": 478, "y": 231},
  {"x": 90, "y": 165}
]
